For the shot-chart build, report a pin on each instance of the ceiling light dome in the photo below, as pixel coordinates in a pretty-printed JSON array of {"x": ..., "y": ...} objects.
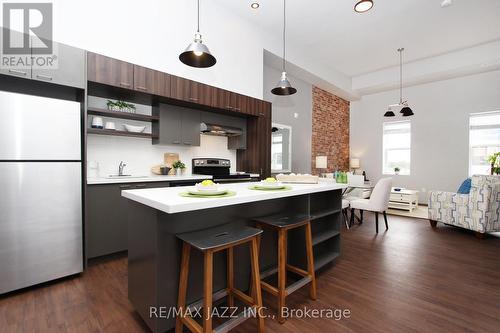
[{"x": 363, "y": 6}]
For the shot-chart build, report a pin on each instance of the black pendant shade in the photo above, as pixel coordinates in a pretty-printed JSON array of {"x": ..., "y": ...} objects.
[
  {"x": 406, "y": 111},
  {"x": 284, "y": 88},
  {"x": 197, "y": 54},
  {"x": 389, "y": 113}
]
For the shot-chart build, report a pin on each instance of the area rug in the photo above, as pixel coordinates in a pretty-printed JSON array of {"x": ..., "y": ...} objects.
[{"x": 421, "y": 212}]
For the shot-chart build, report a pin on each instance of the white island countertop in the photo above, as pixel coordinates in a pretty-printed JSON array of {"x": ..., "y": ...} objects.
[{"x": 169, "y": 201}]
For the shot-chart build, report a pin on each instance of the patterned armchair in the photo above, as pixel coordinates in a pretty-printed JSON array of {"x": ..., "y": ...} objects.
[{"x": 477, "y": 211}]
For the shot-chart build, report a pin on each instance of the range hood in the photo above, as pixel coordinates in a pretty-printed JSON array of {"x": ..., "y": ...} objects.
[{"x": 220, "y": 130}]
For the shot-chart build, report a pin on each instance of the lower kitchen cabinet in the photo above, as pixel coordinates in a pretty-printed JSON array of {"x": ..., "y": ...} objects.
[{"x": 106, "y": 221}]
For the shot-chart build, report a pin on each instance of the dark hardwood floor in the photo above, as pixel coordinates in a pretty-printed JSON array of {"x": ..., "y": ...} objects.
[{"x": 409, "y": 279}]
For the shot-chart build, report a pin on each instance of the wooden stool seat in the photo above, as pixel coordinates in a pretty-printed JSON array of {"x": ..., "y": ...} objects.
[
  {"x": 282, "y": 224},
  {"x": 210, "y": 241}
]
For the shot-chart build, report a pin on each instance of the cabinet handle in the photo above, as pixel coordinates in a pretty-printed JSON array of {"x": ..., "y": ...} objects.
[
  {"x": 141, "y": 185},
  {"x": 124, "y": 186},
  {"x": 44, "y": 77},
  {"x": 193, "y": 99},
  {"x": 15, "y": 71},
  {"x": 188, "y": 143},
  {"x": 229, "y": 107},
  {"x": 124, "y": 84},
  {"x": 142, "y": 88},
  {"x": 176, "y": 142},
  {"x": 237, "y": 109}
]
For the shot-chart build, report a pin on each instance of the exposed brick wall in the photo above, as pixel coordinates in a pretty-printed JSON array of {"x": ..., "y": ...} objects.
[{"x": 330, "y": 130}]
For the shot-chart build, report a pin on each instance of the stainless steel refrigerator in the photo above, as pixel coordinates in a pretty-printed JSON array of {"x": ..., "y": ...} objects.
[{"x": 40, "y": 190}]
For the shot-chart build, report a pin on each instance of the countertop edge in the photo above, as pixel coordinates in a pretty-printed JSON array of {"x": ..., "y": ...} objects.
[{"x": 104, "y": 181}]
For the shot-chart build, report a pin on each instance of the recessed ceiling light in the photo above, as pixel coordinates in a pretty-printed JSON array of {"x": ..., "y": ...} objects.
[
  {"x": 363, "y": 6},
  {"x": 255, "y": 5},
  {"x": 446, "y": 3}
]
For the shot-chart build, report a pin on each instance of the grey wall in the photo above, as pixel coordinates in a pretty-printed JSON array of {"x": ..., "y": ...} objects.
[
  {"x": 284, "y": 108},
  {"x": 440, "y": 135}
]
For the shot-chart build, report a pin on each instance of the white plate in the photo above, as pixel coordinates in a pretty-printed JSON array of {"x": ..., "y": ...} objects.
[
  {"x": 207, "y": 192},
  {"x": 270, "y": 185}
]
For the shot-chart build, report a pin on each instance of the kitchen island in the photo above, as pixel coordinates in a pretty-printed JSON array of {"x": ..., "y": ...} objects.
[{"x": 155, "y": 216}]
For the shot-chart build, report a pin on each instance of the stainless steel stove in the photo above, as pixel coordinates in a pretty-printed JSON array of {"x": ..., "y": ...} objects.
[{"x": 218, "y": 168}]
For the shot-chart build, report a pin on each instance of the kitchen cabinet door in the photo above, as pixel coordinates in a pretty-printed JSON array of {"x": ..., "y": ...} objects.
[
  {"x": 143, "y": 79},
  {"x": 190, "y": 122},
  {"x": 70, "y": 69},
  {"x": 109, "y": 71},
  {"x": 191, "y": 91},
  {"x": 106, "y": 219},
  {"x": 170, "y": 125},
  {"x": 161, "y": 84},
  {"x": 14, "y": 70}
]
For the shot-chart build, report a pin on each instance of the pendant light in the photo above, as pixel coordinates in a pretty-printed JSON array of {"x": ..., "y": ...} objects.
[
  {"x": 284, "y": 87},
  {"x": 405, "y": 110},
  {"x": 363, "y": 6},
  {"x": 197, "y": 53}
]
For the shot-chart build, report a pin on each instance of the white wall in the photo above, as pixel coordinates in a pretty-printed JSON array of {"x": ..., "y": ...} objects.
[
  {"x": 284, "y": 108},
  {"x": 439, "y": 156},
  {"x": 153, "y": 33},
  {"x": 140, "y": 155}
]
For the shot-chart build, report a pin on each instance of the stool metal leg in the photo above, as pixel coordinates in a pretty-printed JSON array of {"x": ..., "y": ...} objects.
[
  {"x": 257, "y": 295},
  {"x": 207, "y": 292},
  {"x": 310, "y": 261},
  {"x": 281, "y": 273},
  {"x": 230, "y": 277},
  {"x": 183, "y": 282}
]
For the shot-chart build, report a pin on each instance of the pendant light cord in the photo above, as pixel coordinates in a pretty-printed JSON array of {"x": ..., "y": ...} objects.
[
  {"x": 198, "y": 28},
  {"x": 400, "y": 50},
  {"x": 284, "y": 39}
]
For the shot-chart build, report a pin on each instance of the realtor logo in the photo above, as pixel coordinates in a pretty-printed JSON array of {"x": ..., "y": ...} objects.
[
  {"x": 34, "y": 20},
  {"x": 27, "y": 37}
]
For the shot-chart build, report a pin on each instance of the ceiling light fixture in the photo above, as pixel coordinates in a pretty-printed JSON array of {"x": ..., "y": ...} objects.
[
  {"x": 403, "y": 105},
  {"x": 197, "y": 53},
  {"x": 255, "y": 5},
  {"x": 363, "y": 6},
  {"x": 284, "y": 87}
]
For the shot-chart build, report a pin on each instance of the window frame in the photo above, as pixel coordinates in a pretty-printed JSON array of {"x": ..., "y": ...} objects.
[
  {"x": 469, "y": 127},
  {"x": 384, "y": 151}
]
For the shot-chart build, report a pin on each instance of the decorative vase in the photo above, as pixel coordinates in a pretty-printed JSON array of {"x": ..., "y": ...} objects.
[
  {"x": 178, "y": 171},
  {"x": 396, "y": 173}
]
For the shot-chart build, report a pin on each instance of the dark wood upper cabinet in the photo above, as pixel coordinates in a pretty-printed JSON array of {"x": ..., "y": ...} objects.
[
  {"x": 191, "y": 91},
  {"x": 231, "y": 101},
  {"x": 143, "y": 79},
  {"x": 161, "y": 84},
  {"x": 109, "y": 71}
]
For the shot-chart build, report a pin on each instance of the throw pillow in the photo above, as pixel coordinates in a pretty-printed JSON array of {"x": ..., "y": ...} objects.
[{"x": 465, "y": 187}]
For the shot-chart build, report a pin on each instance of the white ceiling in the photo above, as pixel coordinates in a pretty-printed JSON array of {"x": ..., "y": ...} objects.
[{"x": 331, "y": 32}]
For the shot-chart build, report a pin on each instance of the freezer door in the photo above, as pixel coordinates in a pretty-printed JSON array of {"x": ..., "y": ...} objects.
[
  {"x": 40, "y": 222},
  {"x": 39, "y": 128}
]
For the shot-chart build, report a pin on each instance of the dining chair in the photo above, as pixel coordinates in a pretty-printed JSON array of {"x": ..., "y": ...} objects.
[
  {"x": 378, "y": 202},
  {"x": 345, "y": 207}
]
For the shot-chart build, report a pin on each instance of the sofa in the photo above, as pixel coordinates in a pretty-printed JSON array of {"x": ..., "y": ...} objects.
[{"x": 477, "y": 211}]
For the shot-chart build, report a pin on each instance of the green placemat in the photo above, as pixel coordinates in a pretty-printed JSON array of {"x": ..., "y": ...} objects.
[
  {"x": 189, "y": 195},
  {"x": 258, "y": 188}
]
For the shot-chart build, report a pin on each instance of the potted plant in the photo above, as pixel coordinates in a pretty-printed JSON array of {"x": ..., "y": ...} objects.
[
  {"x": 120, "y": 106},
  {"x": 396, "y": 170},
  {"x": 494, "y": 161},
  {"x": 179, "y": 167}
]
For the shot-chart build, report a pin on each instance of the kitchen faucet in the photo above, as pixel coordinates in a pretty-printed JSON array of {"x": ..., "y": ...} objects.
[{"x": 120, "y": 168}]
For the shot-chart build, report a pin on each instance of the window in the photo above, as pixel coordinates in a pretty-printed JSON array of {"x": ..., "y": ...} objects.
[
  {"x": 281, "y": 148},
  {"x": 397, "y": 147},
  {"x": 484, "y": 141}
]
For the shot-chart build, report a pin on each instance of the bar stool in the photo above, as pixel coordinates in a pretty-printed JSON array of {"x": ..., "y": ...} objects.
[
  {"x": 210, "y": 241},
  {"x": 282, "y": 224}
]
